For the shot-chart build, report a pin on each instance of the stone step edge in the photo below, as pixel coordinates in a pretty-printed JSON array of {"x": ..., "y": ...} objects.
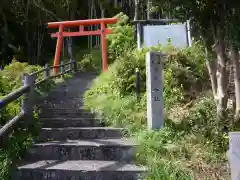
[
  {"x": 82, "y": 166},
  {"x": 84, "y": 128},
  {"x": 109, "y": 142},
  {"x": 79, "y": 108},
  {"x": 65, "y": 111},
  {"x": 68, "y": 118}
]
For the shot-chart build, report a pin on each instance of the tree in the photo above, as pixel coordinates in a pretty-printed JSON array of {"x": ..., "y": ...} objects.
[
  {"x": 23, "y": 33},
  {"x": 208, "y": 19}
]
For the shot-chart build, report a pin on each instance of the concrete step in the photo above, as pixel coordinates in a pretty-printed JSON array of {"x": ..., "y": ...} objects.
[
  {"x": 59, "y": 101},
  {"x": 65, "y": 97},
  {"x": 69, "y": 122},
  {"x": 80, "y": 148},
  {"x": 78, "y": 170},
  {"x": 55, "y": 114},
  {"x": 61, "y": 104},
  {"x": 69, "y": 112},
  {"x": 74, "y": 133},
  {"x": 94, "y": 149},
  {"x": 68, "y": 109}
]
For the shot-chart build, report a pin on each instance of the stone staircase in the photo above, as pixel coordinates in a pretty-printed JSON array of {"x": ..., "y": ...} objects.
[{"x": 73, "y": 145}]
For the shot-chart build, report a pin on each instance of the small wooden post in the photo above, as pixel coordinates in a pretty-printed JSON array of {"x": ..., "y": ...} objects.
[
  {"x": 46, "y": 72},
  {"x": 28, "y": 99},
  {"x": 72, "y": 65},
  {"x": 62, "y": 68}
]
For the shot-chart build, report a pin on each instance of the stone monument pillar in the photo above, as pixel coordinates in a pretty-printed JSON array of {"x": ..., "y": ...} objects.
[{"x": 155, "y": 107}]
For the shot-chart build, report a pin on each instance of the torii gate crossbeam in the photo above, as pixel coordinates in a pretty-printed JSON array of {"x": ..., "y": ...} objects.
[{"x": 81, "y": 23}]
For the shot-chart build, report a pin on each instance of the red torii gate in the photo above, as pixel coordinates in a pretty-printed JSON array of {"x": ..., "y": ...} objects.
[{"x": 81, "y": 23}]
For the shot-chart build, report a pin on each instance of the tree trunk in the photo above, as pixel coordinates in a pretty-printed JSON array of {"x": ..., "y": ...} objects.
[
  {"x": 40, "y": 43},
  {"x": 236, "y": 70},
  {"x": 222, "y": 80},
  {"x": 149, "y": 13},
  {"x": 40, "y": 36},
  {"x": 212, "y": 69},
  {"x": 5, "y": 39},
  {"x": 102, "y": 11},
  {"x": 136, "y": 13},
  {"x": 221, "y": 74},
  {"x": 97, "y": 38},
  {"x": 27, "y": 34},
  {"x": 115, "y": 3}
]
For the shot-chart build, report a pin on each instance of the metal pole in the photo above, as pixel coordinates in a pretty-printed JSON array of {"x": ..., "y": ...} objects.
[{"x": 138, "y": 84}]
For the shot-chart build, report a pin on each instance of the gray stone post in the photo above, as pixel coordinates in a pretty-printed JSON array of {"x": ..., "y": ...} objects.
[
  {"x": 233, "y": 155},
  {"x": 155, "y": 106}
]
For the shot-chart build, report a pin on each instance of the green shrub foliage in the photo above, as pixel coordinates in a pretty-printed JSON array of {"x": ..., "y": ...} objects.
[
  {"x": 19, "y": 140},
  {"x": 91, "y": 61},
  {"x": 121, "y": 40},
  {"x": 189, "y": 146},
  {"x": 183, "y": 73}
]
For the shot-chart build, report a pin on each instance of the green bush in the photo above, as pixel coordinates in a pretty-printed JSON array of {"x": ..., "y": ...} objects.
[
  {"x": 19, "y": 140},
  {"x": 91, "y": 61},
  {"x": 182, "y": 74},
  {"x": 121, "y": 40},
  {"x": 189, "y": 145}
]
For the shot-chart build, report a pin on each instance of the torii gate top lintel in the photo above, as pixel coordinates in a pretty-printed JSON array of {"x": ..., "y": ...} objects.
[{"x": 81, "y": 23}]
